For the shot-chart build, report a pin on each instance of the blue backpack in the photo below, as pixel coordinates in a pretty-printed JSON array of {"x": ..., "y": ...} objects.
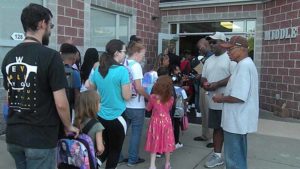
[{"x": 77, "y": 153}]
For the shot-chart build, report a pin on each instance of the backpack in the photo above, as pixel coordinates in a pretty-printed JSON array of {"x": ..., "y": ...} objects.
[
  {"x": 180, "y": 107},
  {"x": 128, "y": 67},
  {"x": 77, "y": 153},
  {"x": 70, "y": 90}
]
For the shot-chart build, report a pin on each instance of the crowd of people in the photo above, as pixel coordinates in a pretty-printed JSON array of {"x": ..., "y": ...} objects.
[{"x": 51, "y": 96}]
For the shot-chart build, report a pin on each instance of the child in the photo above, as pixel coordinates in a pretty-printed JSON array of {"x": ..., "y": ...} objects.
[
  {"x": 160, "y": 137},
  {"x": 180, "y": 103},
  {"x": 86, "y": 108}
]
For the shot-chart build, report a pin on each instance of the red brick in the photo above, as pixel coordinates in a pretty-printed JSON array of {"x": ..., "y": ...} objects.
[
  {"x": 278, "y": 63},
  {"x": 66, "y": 3},
  {"x": 209, "y": 10},
  {"x": 297, "y": 80},
  {"x": 269, "y": 19},
  {"x": 139, "y": 26},
  {"x": 265, "y": 92},
  {"x": 294, "y": 72},
  {"x": 297, "y": 64},
  {"x": 290, "y": 47},
  {"x": 280, "y": 2},
  {"x": 283, "y": 71},
  {"x": 78, "y": 41},
  {"x": 275, "y": 10},
  {"x": 286, "y": 8},
  {"x": 262, "y": 98},
  {"x": 80, "y": 32},
  {"x": 78, "y": 4},
  {"x": 270, "y": 100},
  {"x": 62, "y": 20},
  {"x": 72, "y": 12},
  {"x": 270, "y": 4},
  {"x": 289, "y": 64},
  {"x": 60, "y": 30},
  {"x": 80, "y": 14},
  {"x": 277, "y": 79},
  {"x": 292, "y": 15},
  {"x": 266, "y": 78},
  {"x": 287, "y": 95},
  {"x": 278, "y": 48},
  {"x": 70, "y": 31},
  {"x": 288, "y": 79},
  {"x": 296, "y": 6},
  {"x": 222, "y": 9},
  {"x": 297, "y": 97},
  {"x": 294, "y": 88},
  {"x": 274, "y": 25},
  {"x": 284, "y": 56},
  {"x": 280, "y": 17},
  {"x": 264, "y": 70},
  {"x": 268, "y": 48},
  {"x": 60, "y": 10},
  {"x": 77, "y": 23},
  {"x": 292, "y": 105},
  {"x": 249, "y": 7},
  {"x": 296, "y": 22},
  {"x": 266, "y": 12},
  {"x": 282, "y": 87},
  {"x": 263, "y": 84},
  {"x": 295, "y": 55},
  {"x": 184, "y": 11},
  {"x": 61, "y": 39},
  {"x": 235, "y": 8}
]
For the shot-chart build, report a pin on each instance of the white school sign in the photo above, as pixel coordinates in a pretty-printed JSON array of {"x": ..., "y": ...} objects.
[{"x": 285, "y": 33}]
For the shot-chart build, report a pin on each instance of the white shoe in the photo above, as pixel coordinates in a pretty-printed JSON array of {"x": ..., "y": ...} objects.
[
  {"x": 178, "y": 145},
  {"x": 193, "y": 105}
]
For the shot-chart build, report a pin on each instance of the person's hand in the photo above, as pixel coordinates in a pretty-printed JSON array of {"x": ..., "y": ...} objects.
[
  {"x": 206, "y": 86},
  {"x": 100, "y": 149},
  {"x": 198, "y": 77},
  {"x": 72, "y": 129},
  {"x": 212, "y": 86},
  {"x": 186, "y": 88},
  {"x": 217, "y": 98}
]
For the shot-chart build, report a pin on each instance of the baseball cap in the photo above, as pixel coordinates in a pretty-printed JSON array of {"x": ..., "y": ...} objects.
[
  {"x": 236, "y": 41},
  {"x": 218, "y": 36}
]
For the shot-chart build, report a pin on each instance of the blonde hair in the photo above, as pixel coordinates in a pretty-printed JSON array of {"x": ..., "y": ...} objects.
[
  {"x": 134, "y": 47},
  {"x": 86, "y": 106}
]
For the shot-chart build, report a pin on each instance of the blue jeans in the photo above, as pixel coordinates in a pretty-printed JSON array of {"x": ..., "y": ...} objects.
[
  {"x": 235, "y": 150},
  {"x": 30, "y": 158},
  {"x": 135, "y": 119}
]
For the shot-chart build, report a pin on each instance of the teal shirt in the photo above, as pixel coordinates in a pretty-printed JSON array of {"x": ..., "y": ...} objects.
[{"x": 110, "y": 90}]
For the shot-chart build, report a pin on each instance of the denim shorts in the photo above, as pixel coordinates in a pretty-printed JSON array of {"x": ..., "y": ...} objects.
[{"x": 30, "y": 158}]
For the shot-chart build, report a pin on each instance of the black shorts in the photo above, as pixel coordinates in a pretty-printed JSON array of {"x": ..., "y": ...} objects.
[{"x": 214, "y": 118}]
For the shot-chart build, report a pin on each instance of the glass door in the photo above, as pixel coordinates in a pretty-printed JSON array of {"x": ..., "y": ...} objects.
[{"x": 168, "y": 42}]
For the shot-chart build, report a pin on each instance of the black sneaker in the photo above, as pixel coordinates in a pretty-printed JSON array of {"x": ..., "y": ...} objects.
[
  {"x": 210, "y": 145},
  {"x": 140, "y": 160}
]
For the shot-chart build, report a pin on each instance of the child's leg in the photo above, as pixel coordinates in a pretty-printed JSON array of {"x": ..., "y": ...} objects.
[
  {"x": 167, "y": 164},
  {"x": 152, "y": 160}
]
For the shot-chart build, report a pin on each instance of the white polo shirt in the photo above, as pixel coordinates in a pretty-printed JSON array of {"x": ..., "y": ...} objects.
[
  {"x": 242, "y": 118},
  {"x": 217, "y": 68}
]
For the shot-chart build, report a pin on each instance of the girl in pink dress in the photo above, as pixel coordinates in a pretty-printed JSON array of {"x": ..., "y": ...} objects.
[{"x": 160, "y": 136}]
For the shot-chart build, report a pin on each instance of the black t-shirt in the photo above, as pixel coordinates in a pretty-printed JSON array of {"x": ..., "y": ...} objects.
[{"x": 31, "y": 72}]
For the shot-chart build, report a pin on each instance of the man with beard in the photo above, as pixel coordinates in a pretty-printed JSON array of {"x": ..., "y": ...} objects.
[
  {"x": 215, "y": 75},
  {"x": 34, "y": 78}
]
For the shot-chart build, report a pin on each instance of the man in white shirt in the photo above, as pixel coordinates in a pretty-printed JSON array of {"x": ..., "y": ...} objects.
[
  {"x": 215, "y": 75},
  {"x": 241, "y": 104}
]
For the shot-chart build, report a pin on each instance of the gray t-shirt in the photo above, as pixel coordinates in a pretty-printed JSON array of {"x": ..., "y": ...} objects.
[{"x": 96, "y": 128}]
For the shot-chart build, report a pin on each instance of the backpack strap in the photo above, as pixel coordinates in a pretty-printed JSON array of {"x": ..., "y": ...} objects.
[{"x": 89, "y": 125}]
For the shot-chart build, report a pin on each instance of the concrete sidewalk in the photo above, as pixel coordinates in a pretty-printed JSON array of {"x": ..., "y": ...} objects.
[{"x": 275, "y": 146}]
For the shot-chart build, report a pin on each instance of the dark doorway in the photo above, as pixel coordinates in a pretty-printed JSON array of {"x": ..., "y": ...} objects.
[{"x": 189, "y": 42}]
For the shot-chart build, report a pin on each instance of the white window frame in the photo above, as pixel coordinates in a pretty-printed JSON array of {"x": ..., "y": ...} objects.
[{"x": 102, "y": 48}]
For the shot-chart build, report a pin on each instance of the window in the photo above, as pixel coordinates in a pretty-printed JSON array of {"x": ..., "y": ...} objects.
[
  {"x": 10, "y": 13},
  {"x": 106, "y": 25}
]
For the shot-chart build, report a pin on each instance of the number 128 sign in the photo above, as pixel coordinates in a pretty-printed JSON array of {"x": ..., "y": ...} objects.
[{"x": 18, "y": 36}]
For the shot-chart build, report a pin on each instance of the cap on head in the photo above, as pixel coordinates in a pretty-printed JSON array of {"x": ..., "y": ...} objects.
[
  {"x": 236, "y": 41},
  {"x": 218, "y": 36}
]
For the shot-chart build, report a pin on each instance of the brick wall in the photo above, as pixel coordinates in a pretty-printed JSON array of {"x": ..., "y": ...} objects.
[
  {"x": 280, "y": 74},
  {"x": 147, "y": 28},
  {"x": 70, "y": 21}
]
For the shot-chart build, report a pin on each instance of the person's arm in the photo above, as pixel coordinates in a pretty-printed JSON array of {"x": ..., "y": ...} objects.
[
  {"x": 140, "y": 89},
  {"x": 226, "y": 99},
  {"x": 149, "y": 105},
  {"x": 99, "y": 143},
  {"x": 215, "y": 85},
  {"x": 126, "y": 93},
  {"x": 62, "y": 106}
]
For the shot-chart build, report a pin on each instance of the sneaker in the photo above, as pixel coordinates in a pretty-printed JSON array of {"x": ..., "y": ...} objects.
[
  {"x": 198, "y": 114},
  {"x": 140, "y": 160},
  {"x": 210, "y": 145},
  {"x": 178, "y": 145},
  {"x": 193, "y": 105},
  {"x": 213, "y": 161}
]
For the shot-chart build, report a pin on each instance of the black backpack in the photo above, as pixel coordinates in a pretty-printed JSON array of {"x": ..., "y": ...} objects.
[{"x": 70, "y": 90}]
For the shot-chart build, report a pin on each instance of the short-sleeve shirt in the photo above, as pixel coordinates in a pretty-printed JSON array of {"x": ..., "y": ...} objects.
[
  {"x": 110, "y": 91},
  {"x": 242, "y": 118},
  {"x": 31, "y": 73},
  {"x": 137, "y": 73},
  {"x": 98, "y": 127},
  {"x": 217, "y": 68}
]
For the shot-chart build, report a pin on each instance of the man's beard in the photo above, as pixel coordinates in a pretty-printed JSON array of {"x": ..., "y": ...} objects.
[{"x": 45, "y": 39}]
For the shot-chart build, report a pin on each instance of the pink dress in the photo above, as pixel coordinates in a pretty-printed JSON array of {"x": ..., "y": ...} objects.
[{"x": 160, "y": 136}]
